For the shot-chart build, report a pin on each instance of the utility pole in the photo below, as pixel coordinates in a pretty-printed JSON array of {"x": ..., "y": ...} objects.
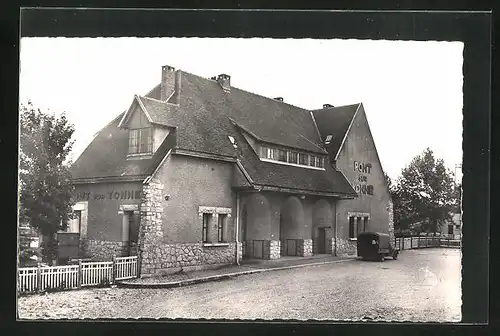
[{"x": 457, "y": 166}]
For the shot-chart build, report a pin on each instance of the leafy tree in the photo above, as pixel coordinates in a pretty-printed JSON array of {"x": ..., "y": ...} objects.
[
  {"x": 425, "y": 193},
  {"x": 400, "y": 214},
  {"x": 45, "y": 185}
]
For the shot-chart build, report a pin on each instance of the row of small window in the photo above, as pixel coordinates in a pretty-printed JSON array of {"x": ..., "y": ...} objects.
[
  {"x": 207, "y": 236},
  {"x": 357, "y": 225},
  {"x": 140, "y": 141},
  {"x": 288, "y": 156}
]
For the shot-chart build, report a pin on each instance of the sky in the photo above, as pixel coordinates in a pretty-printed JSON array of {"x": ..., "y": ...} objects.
[{"x": 411, "y": 91}]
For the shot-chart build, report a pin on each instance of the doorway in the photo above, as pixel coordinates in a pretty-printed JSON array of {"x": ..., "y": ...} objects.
[
  {"x": 321, "y": 248},
  {"x": 282, "y": 236}
]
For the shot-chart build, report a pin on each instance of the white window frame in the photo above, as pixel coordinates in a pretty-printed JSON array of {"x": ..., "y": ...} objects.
[
  {"x": 214, "y": 212},
  {"x": 270, "y": 154},
  {"x": 83, "y": 208}
]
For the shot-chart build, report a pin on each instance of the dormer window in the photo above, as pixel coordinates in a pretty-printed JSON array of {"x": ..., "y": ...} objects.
[
  {"x": 290, "y": 157},
  {"x": 140, "y": 141}
]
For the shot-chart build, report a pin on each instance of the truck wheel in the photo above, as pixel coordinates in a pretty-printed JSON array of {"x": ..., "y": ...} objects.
[
  {"x": 381, "y": 257},
  {"x": 395, "y": 255}
]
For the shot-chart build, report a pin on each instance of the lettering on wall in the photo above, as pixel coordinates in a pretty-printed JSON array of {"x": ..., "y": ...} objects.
[
  {"x": 362, "y": 186},
  {"x": 109, "y": 195}
]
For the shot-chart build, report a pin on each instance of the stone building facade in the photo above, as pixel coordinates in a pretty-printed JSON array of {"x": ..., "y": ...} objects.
[{"x": 195, "y": 174}]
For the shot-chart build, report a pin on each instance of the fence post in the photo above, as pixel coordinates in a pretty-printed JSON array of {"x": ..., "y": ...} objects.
[
  {"x": 38, "y": 277},
  {"x": 113, "y": 272},
  {"x": 80, "y": 273}
]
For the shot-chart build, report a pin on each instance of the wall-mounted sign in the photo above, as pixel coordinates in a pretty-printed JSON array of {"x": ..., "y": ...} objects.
[
  {"x": 109, "y": 195},
  {"x": 362, "y": 167},
  {"x": 364, "y": 189}
]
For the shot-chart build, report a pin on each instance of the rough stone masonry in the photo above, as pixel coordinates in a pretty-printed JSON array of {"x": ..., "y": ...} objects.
[{"x": 156, "y": 256}]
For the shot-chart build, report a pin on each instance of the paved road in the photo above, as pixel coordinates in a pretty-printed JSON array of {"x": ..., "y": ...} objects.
[{"x": 422, "y": 285}]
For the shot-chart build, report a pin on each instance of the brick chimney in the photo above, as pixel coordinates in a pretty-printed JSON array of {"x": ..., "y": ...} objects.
[
  {"x": 167, "y": 82},
  {"x": 170, "y": 84},
  {"x": 224, "y": 81},
  {"x": 279, "y": 99},
  {"x": 327, "y": 106}
]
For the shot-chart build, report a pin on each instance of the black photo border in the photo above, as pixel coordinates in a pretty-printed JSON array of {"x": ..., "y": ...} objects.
[{"x": 474, "y": 28}]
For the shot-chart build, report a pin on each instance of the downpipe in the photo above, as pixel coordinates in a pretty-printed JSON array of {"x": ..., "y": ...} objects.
[{"x": 237, "y": 228}]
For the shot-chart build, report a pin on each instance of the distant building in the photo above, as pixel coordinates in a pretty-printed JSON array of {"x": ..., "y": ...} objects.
[
  {"x": 198, "y": 172},
  {"x": 453, "y": 229}
]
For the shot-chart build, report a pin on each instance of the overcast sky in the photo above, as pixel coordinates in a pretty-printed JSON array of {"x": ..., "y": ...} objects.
[{"x": 412, "y": 91}]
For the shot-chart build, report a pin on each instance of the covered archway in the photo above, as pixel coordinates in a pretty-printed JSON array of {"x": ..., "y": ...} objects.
[
  {"x": 322, "y": 221},
  {"x": 256, "y": 227},
  {"x": 292, "y": 227}
]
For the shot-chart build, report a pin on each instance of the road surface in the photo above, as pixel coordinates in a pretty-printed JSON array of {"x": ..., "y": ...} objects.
[{"x": 422, "y": 285}]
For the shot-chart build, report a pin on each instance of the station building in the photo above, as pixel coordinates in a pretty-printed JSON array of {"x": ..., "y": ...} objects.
[{"x": 198, "y": 173}]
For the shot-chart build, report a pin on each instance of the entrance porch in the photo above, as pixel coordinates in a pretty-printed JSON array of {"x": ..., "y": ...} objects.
[{"x": 275, "y": 225}]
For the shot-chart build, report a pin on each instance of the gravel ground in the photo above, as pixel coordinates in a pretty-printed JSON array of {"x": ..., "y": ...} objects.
[{"x": 422, "y": 285}]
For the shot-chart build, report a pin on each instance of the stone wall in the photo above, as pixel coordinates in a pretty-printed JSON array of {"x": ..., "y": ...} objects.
[
  {"x": 330, "y": 246},
  {"x": 150, "y": 229},
  {"x": 159, "y": 259},
  {"x": 305, "y": 247},
  {"x": 346, "y": 247},
  {"x": 100, "y": 250},
  {"x": 272, "y": 249},
  {"x": 390, "y": 209}
]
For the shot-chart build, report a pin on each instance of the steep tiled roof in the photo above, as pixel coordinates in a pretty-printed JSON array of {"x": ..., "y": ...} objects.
[
  {"x": 334, "y": 121},
  {"x": 204, "y": 118},
  {"x": 160, "y": 112},
  {"x": 285, "y": 176},
  {"x": 106, "y": 155},
  {"x": 204, "y": 123}
]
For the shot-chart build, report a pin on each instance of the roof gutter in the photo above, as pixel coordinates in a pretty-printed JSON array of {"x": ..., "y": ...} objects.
[{"x": 259, "y": 188}]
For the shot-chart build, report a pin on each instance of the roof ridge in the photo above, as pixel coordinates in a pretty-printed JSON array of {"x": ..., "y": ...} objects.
[
  {"x": 336, "y": 107},
  {"x": 248, "y": 92}
]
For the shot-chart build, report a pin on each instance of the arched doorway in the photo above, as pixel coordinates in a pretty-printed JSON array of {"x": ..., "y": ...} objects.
[
  {"x": 256, "y": 225},
  {"x": 322, "y": 222},
  {"x": 291, "y": 226}
]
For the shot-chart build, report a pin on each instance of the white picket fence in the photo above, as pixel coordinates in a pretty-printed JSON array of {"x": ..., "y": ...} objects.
[
  {"x": 36, "y": 279},
  {"x": 125, "y": 268},
  {"x": 95, "y": 273},
  {"x": 416, "y": 242}
]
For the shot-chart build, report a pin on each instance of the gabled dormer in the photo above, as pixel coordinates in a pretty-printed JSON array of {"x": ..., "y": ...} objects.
[
  {"x": 281, "y": 154},
  {"x": 145, "y": 135}
]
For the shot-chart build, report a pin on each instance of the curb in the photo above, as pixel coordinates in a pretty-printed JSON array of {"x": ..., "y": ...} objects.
[{"x": 218, "y": 277}]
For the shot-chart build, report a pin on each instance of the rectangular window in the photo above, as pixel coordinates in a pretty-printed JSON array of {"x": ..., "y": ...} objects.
[
  {"x": 281, "y": 155},
  {"x": 263, "y": 152},
  {"x": 140, "y": 141},
  {"x": 76, "y": 222},
  {"x": 206, "y": 224},
  {"x": 271, "y": 153},
  {"x": 303, "y": 159},
  {"x": 312, "y": 160},
  {"x": 133, "y": 146},
  {"x": 221, "y": 226},
  {"x": 352, "y": 229},
  {"x": 450, "y": 229},
  {"x": 319, "y": 162},
  {"x": 293, "y": 157},
  {"x": 365, "y": 224}
]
